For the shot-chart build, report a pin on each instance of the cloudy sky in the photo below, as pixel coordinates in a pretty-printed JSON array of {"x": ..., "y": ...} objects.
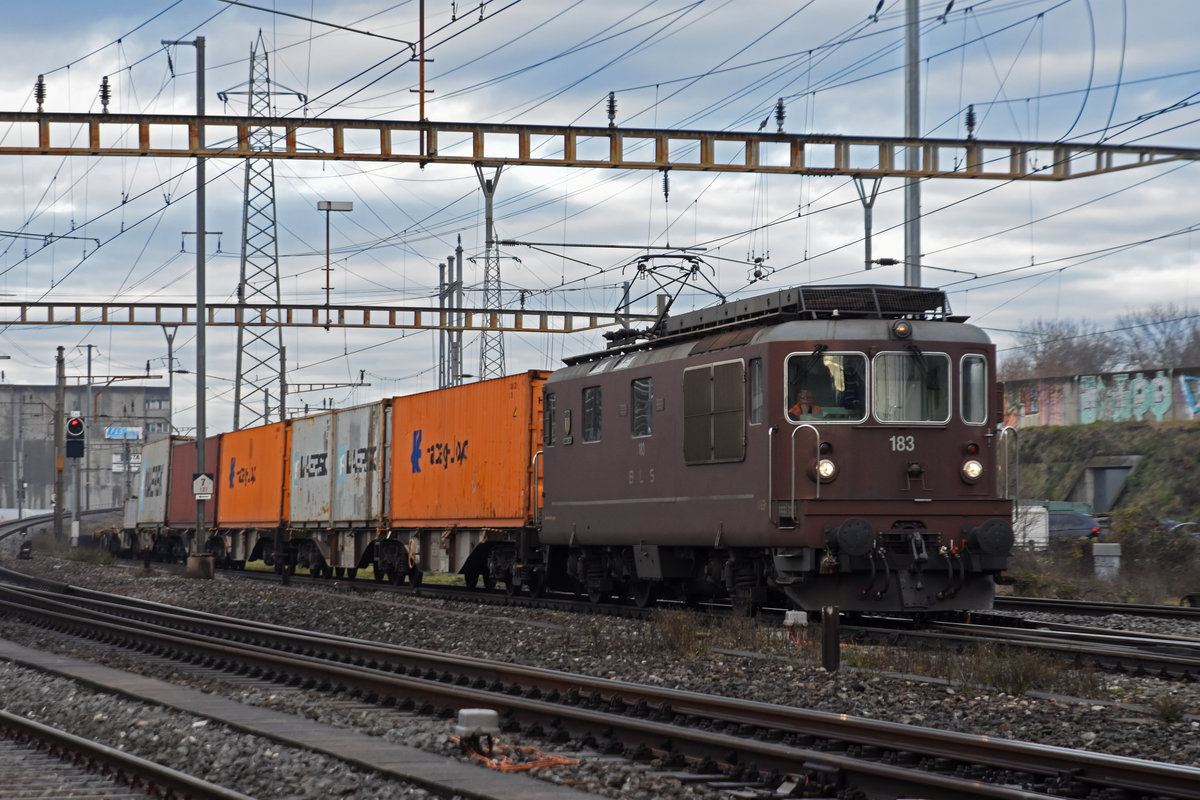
[{"x": 1009, "y": 253}]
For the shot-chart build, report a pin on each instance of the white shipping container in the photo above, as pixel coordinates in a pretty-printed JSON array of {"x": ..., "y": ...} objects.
[
  {"x": 359, "y": 467},
  {"x": 153, "y": 483},
  {"x": 312, "y": 468}
]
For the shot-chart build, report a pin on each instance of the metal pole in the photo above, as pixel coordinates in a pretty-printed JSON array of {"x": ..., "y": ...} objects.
[
  {"x": 868, "y": 202},
  {"x": 60, "y": 396},
  {"x": 87, "y": 454},
  {"x": 327, "y": 276},
  {"x": 170, "y": 334},
  {"x": 456, "y": 360},
  {"x": 201, "y": 373},
  {"x": 912, "y": 154},
  {"x": 282, "y": 384},
  {"x": 831, "y": 653},
  {"x": 201, "y": 366},
  {"x": 443, "y": 370}
]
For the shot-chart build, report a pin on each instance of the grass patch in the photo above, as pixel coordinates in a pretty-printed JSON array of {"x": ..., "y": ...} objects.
[
  {"x": 1011, "y": 670},
  {"x": 1168, "y": 707},
  {"x": 677, "y": 632},
  {"x": 86, "y": 555}
]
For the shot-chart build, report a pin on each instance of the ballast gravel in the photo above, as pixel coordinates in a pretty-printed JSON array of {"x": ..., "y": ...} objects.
[{"x": 1133, "y": 716}]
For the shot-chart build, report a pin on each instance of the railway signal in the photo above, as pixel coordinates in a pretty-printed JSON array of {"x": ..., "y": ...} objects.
[{"x": 75, "y": 432}]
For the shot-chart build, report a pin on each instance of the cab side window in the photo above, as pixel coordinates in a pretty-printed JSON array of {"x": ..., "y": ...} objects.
[
  {"x": 591, "y": 414},
  {"x": 642, "y": 390},
  {"x": 548, "y": 407}
]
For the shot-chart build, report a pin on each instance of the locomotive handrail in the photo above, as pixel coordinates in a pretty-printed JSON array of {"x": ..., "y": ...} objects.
[
  {"x": 816, "y": 433},
  {"x": 771, "y": 515},
  {"x": 1004, "y": 433},
  {"x": 535, "y": 511}
]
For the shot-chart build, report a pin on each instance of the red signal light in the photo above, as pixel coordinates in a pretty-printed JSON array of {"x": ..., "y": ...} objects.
[{"x": 75, "y": 431}]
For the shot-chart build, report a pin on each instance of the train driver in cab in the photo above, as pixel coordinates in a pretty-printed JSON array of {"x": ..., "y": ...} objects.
[{"x": 804, "y": 407}]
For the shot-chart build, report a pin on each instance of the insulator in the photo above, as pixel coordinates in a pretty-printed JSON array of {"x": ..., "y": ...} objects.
[
  {"x": 612, "y": 109},
  {"x": 39, "y": 91},
  {"x": 105, "y": 94},
  {"x": 971, "y": 121},
  {"x": 666, "y": 186},
  {"x": 779, "y": 116}
]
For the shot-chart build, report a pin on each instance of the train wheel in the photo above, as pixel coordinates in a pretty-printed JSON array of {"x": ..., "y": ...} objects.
[
  {"x": 537, "y": 584},
  {"x": 511, "y": 587},
  {"x": 351, "y": 573},
  {"x": 339, "y": 572},
  {"x": 378, "y": 573},
  {"x": 644, "y": 592},
  {"x": 415, "y": 576},
  {"x": 597, "y": 596},
  {"x": 397, "y": 577}
]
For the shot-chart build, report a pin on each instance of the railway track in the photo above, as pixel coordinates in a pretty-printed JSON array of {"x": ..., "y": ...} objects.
[
  {"x": 1093, "y": 608},
  {"x": 1103, "y": 648},
  {"x": 1174, "y": 657},
  {"x": 752, "y": 744},
  {"x": 38, "y": 761}
]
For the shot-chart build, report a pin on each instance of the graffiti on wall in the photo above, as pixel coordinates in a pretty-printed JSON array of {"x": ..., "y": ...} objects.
[
  {"x": 1124, "y": 397},
  {"x": 1037, "y": 403},
  {"x": 1190, "y": 384},
  {"x": 1141, "y": 396}
]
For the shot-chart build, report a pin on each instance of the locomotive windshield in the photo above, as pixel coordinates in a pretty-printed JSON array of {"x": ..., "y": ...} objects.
[
  {"x": 827, "y": 386},
  {"x": 912, "y": 387}
]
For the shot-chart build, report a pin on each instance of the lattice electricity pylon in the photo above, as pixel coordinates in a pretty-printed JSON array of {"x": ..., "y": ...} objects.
[
  {"x": 260, "y": 355},
  {"x": 491, "y": 344}
]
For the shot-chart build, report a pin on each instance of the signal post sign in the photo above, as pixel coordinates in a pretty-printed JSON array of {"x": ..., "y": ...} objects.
[{"x": 203, "y": 485}]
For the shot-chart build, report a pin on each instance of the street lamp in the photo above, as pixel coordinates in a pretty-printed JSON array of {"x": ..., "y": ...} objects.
[{"x": 327, "y": 206}]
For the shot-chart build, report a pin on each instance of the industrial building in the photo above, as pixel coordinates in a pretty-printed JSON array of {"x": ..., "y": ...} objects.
[{"x": 118, "y": 421}]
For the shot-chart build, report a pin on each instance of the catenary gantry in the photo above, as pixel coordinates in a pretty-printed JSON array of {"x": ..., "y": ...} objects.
[
  {"x": 189, "y": 136},
  {"x": 306, "y": 316}
]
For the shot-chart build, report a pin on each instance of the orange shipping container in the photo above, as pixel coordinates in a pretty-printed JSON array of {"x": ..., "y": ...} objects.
[
  {"x": 464, "y": 456},
  {"x": 251, "y": 477}
]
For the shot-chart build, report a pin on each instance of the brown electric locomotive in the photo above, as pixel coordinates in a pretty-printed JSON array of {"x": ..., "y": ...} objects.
[{"x": 816, "y": 446}]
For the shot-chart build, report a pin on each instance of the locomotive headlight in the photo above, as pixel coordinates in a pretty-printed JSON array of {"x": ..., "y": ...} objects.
[
  {"x": 971, "y": 470},
  {"x": 826, "y": 469}
]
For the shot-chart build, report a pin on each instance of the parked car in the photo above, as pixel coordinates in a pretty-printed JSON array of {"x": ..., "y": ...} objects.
[{"x": 1073, "y": 525}]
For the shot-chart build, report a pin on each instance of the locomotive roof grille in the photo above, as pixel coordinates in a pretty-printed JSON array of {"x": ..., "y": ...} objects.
[
  {"x": 818, "y": 302},
  {"x": 800, "y": 302}
]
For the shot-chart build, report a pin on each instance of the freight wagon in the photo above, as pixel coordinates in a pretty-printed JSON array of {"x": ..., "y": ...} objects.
[{"x": 331, "y": 493}]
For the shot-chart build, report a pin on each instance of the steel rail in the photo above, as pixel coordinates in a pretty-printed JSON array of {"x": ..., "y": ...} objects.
[
  {"x": 156, "y": 779},
  {"x": 526, "y": 694},
  {"x": 1094, "y": 608}
]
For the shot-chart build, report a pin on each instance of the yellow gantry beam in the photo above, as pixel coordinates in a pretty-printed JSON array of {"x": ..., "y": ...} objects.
[
  {"x": 302, "y": 316},
  {"x": 184, "y": 136}
]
